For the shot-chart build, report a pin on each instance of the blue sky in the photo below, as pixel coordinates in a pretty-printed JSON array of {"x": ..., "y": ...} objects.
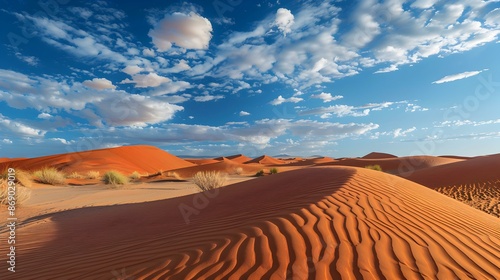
[{"x": 336, "y": 78}]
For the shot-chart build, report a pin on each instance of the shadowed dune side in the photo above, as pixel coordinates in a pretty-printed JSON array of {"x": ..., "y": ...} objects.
[
  {"x": 397, "y": 166},
  {"x": 126, "y": 159},
  {"x": 312, "y": 161},
  {"x": 266, "y": 160},
  {"x": 239, "y": 158},
  {"x": 202, "y": 161},
  {"x": 376, "y": 155},
  {"x": 475, "y": 182},
  {"x": 313, "y": 223}
]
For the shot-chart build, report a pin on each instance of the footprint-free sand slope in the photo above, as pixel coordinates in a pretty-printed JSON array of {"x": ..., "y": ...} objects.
[
  {"x": 312, "y": 223},
  {"x": 125, "y": 159}
]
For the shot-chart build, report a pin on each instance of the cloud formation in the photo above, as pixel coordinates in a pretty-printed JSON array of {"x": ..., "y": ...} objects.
[
  {"x": 189, "y": 31},
  {"x": 456, "y": 77}
]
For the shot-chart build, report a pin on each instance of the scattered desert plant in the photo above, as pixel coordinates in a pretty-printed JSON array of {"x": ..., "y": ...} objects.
[
  {"x": 115, "y": 178},
  {"x": 21, "y": 193},
  {"x": 374, "y": 167},
  {"x": 93, "y": 174},
  {"x": 75, "y": 175},
  {"x": 22, "y": 177},
  {"x": 259, "y": 173},
  {"x": 49, "y": 175},
  {"x": 273, "y": 170},
  {"x": 209, "y": 180},
  {"x": 238, "y": 170},
  {"x": 175, "y": 175},
  {"x": 135, "y": 175}
]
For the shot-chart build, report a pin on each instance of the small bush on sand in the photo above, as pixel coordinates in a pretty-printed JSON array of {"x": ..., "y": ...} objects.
[
  {"x": 374, "y": 167},
  {"x": 93, "y": 175},
  {"x": 135, "y": 175},
  {"x": 238, "y": 170},
  {"x": 49, "y": 175},
  {"x": 259, "y": 173},
  {"x": 273, "y": 170},
  {"x": 209, "y": 180},
  {"x": 115, "y": 178},
  {"x": 23, "y": 178},
  {"x": 75, "y": 175},
  {"x": 21, "y": 193}
]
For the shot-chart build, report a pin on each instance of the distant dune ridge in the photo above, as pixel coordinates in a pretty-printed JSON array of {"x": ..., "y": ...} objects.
[
  {"x": 126, "y": 159},
  {"x": 267, "y": 160},
  {"x": 311, "y": 223},
  {"x": 377, "y": 155}
]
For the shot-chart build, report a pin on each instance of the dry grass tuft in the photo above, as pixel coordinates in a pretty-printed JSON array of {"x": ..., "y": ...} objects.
[
  {"x": 93, "y": 175},
  {"x": 482, "y": 196},
  {"x": 75, "y": 175},
  {"x": 175, "y": 175},
  {"x": 238, "y": 170},
  {"x": 135, "y": 175},
  {"x": 22, "y": 177},
  {"x": 209, "y": 180},
  {"x": 49, "y": 175},
  {"x": 374, "y": 167},
  {"x": 21, "y": 194},
  {"x": 115, "y": 178}
]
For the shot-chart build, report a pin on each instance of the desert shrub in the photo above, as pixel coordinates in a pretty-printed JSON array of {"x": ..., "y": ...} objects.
[
  {"x": 259, "y": 173},
  {"x": 93, "y": 175},
  {"x": 49, "y": 175},
  {"x": 75, "y": 175},
  {"x": 238, "y": 170},
  {"x": 209, "y": 180},
  {"x": 22, "y": 177},
  {"x": 115, "y": 178},
  {"x": 273, "y": 170},
  {"x": 22, "y": 193},
  {"x": 135, "y": 175},
  {"x": 374, "y": 167}
]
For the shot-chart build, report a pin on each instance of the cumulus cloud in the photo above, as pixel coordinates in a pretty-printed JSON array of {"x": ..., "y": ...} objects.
[
  {"x": 99, "y": 84},
  {"x": 19, "y": 129},
  {"x": 132, "y": 69},
  {"x": 243, "y": 113},
  {"x": 44, "y": 116},
  {"x": 280, "y": 100},
  {"x": 208, "y": 97},
  {"x": 284, "y": 20},
  {"x": 189, "y": 31},
  {"x": 459, "y": 76},
  {"x": 327, "y": 97},
  {"x": 146, "y": 80}
]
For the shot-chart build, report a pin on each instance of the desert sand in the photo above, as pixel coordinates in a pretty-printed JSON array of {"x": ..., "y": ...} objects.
[{"x": 317, "y": 219}]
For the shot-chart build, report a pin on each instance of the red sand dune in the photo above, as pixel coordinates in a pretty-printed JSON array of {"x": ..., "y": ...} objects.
[
  {"x": 239, "y": 158},
  {"x": 226, "y": 166},
  {"x": 266, "y": 160},
  {"x": 456, "y": 157},
  {"x": 312, "y": 223},
  {"x": 474, "y": 170},
  {"x": 202, "y": 161},
  {"x": 126, "y": 159},
  {"x": 312, "y": 161},
  {"x": 398, "y": 165},
  {"x": 376, "y": 155}
]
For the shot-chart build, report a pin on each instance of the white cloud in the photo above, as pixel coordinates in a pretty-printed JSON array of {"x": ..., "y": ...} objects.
[
  {"x": 243, "y": 113},
  {"x": 467, "y": 122},
  {"x": 189, "y": 31},
  {"x": 205, "y": 98},
  {"x": 280, "y": 100},
  {"x": 148, "y": 52},
  {"x": 19, "y": 129},
  {"x": 99, "y": 84},
  {"x": 423, "y": 4},
  {"x": 399, "y": 132},
  {"x": 44, "y": 116},
  {"x": 7, "y": 141},
  {"x": 169, "y": 88},
  {"x": 284, "y": 20},
  {"x": 459, "y": 76},
  {"x": 415, "y": 108},
  {"x": 327, "y": 97},
  {"x": 493, "y": 18},
  {"x": 146, "y": 80},
  {"x": 320, "y": 64},
  {"x": 132, "y": 69}
]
